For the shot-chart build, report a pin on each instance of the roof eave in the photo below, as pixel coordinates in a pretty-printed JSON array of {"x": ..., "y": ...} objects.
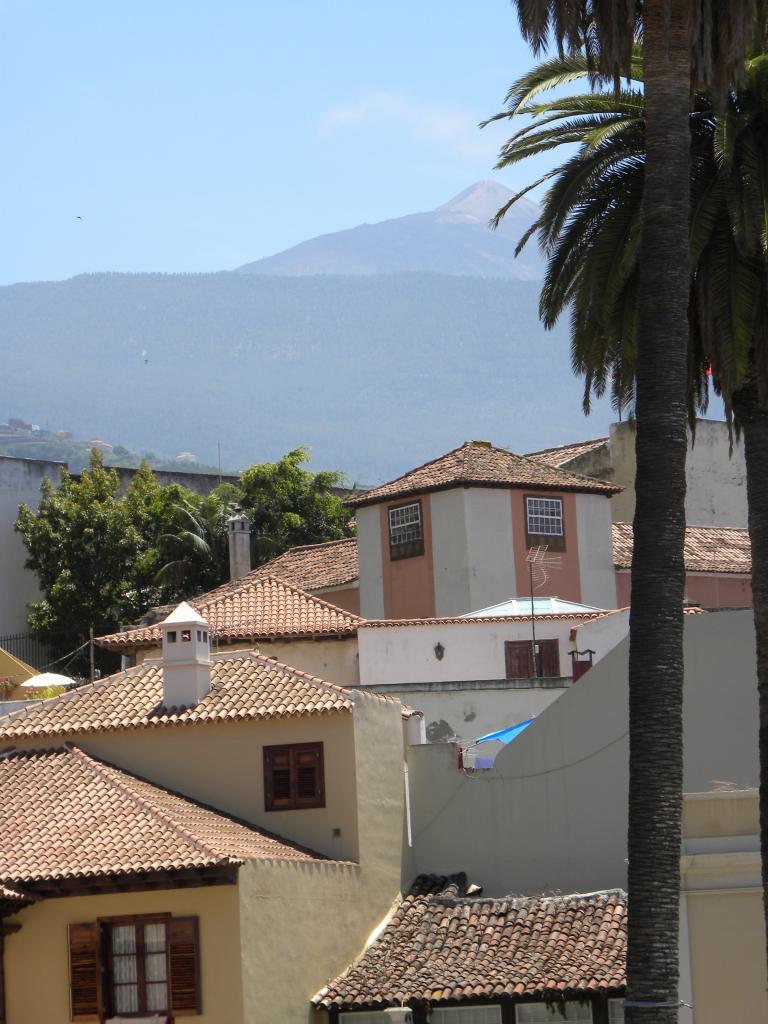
[{"x": 605, "y": 489}]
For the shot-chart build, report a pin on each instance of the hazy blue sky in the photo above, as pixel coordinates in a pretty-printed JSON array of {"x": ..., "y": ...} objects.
[{"x": 194, "y": 136}]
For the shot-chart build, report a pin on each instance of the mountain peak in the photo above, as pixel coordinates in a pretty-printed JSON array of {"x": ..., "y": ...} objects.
[
  {"x": 482, "y": 201},
  {"x": 452, "y": 239}
]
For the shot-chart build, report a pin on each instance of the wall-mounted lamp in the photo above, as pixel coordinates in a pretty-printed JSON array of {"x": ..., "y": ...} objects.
[{"x": 439, "y": 651}]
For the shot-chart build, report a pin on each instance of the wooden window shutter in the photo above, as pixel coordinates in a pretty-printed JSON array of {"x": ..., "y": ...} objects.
[
  {"x": 184, "y": 961},
  {"x": 518, "y": 655},
  {"x": 277, "y": 778},
  {"x": 293, "y": 776},
  {"x": 308, "y": 775},
  {"x": 85, "y": 967}
]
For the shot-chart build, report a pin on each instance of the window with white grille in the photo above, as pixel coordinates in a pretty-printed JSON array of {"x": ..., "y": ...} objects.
[
  {"x": 544, "y": 517},
  {"x": 406, "y": 530},
  {"x": 465, "y": 1015}
]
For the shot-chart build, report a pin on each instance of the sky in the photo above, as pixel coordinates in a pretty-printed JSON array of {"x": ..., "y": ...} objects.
[{"x": 160, "y": 135}]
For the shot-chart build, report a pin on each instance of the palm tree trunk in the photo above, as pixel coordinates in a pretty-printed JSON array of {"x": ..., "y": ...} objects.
[
  {"x": 658, "y": 575},
  {"x": 753, "y": 419}
]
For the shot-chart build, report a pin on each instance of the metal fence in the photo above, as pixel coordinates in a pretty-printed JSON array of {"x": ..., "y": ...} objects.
[{"x": 28, "y": 648}]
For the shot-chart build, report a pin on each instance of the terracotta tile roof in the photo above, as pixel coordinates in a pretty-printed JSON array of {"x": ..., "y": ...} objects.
[
  {"x": 12, "y": 898},
  {"x": 65, "y": 814},
  {"x": 707, "y": 549},
  {"x": 314, "y": 566},
  {"x": 253, "y": 608},
  {"x": 479, "y": 464},
  {"x": 244, "y": 687},
  {"x": 443, "y": 944},
  {"x": 564, "y": 453}
]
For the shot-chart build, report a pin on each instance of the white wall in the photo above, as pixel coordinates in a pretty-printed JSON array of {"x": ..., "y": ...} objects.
[
  {"x": 20, "y": 481},
  {"x": 552, "y": 813},
  {"x": 596, "y": 571},
  {"x": 369, "y": 554},
  {"x": 450, "y": 554},
  {"x": 466, "y": 714},
  {"x": 491, "y": 551},
  {"x": 472, "y": 650},
  {"x": 716, "y": 492},
  {"x": 602, "y": 635}
]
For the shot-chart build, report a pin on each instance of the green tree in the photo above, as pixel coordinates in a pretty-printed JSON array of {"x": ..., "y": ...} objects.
[
  {"x": 289, "y": 505},
  {"x": 102, "y": 560},
  {"x": 590, "y": 227},
  {"x": 195, "y": 549},
  {"x": 83, "y": 546},
  {"x": 683, "y": 41}
]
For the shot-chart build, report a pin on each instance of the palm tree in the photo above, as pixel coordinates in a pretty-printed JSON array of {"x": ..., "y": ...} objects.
[
  {"x": 197, "y": 549},
  {"x": 590, "y": 228}
]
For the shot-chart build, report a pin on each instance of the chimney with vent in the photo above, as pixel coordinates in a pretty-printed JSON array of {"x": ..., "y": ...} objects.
[
  {"x": 239, "y": 546},
  {"x": 186, "y": 658}
]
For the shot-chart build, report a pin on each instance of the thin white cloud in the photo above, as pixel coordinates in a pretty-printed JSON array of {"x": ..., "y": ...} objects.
[{"x": 454, "y": 128}]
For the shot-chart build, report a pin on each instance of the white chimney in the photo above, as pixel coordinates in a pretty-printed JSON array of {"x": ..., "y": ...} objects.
[
  {"x": 239, "y": 546},
  {"x": 186, "y": 657}
]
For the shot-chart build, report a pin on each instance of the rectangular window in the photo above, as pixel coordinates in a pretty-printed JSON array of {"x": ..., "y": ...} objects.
[
  {"x": 294, "y": 776},
  {"x": 466, "y": 1015},
  {"x": 541, "y": 1013},
  {"x": 134, "y": 967},
  {"x": 518, "y": 656},
  {"x": 406, "y": 531},
  {"x": 137, "y": 967},
  {"x": 544, "y": 522}
]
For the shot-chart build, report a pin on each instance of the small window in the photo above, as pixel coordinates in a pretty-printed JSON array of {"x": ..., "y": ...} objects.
[
  {"x": 294, "y": 777},
  {"x": 542, "y": 1013},
  {"x": 199, "y": 636},
  {"x": 205, "y": 636},
  {"x": 138, "y": 967},
  {"x": 406, "y": 532},
  {"x": 544, "y": 522},
  {"x": 466, "y": 1015},
  {"x": 186, "y": 635},
  {"x": 171, "y": 636},
  {"x": 615, "y": 1011}
]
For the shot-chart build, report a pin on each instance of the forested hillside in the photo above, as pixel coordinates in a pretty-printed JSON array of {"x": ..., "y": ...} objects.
[{"x": 376, "y": 373}]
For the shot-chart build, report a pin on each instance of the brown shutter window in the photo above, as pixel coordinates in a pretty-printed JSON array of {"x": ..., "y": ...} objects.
[
  {"x": 184, "y": 960},
  {"x": 518, "y": 655},
  {"x": 294, "y": 777},
  {"x": 85, "y": 965}
]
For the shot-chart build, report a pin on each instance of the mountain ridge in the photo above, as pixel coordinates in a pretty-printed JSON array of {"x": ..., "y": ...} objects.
[{"x": 454, "y": 238}]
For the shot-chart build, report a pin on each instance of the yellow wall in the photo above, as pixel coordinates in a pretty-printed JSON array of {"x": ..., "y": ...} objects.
[
  {"x": 727, "y": 949},
  {"x": 37, "y": 962},
  {"x": 313, "y": 919},
  {"x": 722, "y": 907},
  {"x": 721, "y": 814},
  {"x": 222, "y": 765},
  {"x": 335, "y": 661}
]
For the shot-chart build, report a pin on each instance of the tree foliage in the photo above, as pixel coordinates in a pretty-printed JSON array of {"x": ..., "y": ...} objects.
[{"x": 103, "y": 559}]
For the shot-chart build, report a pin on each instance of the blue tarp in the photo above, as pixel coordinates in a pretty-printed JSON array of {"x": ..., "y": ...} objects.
[{"x": 508, "y": 734}]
